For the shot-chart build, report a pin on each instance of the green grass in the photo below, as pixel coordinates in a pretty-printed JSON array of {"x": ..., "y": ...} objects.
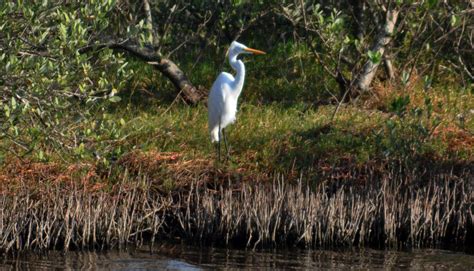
[
  {"x": 277, "y": 138},
  {"x": 260, "y": 133}
]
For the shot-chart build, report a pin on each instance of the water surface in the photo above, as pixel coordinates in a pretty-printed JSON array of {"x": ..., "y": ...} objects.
[{"x": 185, "y": 257}]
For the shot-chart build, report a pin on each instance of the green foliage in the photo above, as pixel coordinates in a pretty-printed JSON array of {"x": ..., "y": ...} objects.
[
  {"x": 375, "y": 57},
  {"x": 409, "y": 132},
  {"x": 49, "y": 85},
  {"x": 432, "y": 3},
  {"x": 399, "y": 105}
]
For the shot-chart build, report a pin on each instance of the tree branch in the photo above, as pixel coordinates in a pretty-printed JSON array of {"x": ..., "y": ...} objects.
[
  {"x": 167, "y": 67},
  {"x": 149, "y": 22}
]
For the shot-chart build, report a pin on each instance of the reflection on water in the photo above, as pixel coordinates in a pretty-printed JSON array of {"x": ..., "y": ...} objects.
[{"x": 184, "y": 257}]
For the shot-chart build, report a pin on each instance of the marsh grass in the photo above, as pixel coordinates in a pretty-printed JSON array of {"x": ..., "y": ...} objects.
[{"x": 398, "y": 208}]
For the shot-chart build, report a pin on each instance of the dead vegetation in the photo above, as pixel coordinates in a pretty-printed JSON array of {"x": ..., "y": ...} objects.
[
  {"x": 396, "y": 209},
  {"x": 161, "y": 167}
]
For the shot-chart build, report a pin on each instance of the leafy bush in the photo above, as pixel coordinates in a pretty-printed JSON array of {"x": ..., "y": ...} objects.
[
  {"x": 47, "y": 87},
  {"x": 409, "y": 130}
]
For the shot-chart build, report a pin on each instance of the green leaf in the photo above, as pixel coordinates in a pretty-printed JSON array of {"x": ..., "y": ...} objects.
[
  {"x": 337, "y": 24},
  {"x": 80, "y": 149},
  {"x": 63, "y": 31},
  {"x": 115, "y": 99},
  {"x": 454, "y": 20},
  {"x": 13, "y": 103},
  {"x": 41, "y": 155},
  {"x": 405, "y": 77},
  {"x": 375, "y": 57},
  {"x": 399, "y": 105},
  {"x": 44, "y": 35},
  {"x": 347, "y": 40},
  {"x": 7, "y": 110}
]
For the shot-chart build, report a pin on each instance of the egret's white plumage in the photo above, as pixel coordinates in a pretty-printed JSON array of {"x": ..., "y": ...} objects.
[{"x": 222, "y": 101}]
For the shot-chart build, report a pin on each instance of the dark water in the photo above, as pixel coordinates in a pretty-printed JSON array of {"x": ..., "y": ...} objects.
[{"x": 183, "y": 257}]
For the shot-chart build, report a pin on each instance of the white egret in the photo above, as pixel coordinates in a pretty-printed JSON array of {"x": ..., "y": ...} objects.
[{"x": 222, "y": 101}]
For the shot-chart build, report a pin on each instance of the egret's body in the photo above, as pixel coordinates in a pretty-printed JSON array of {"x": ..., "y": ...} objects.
[
  {"x": 225, "y": 92},
  {"x": 222, "y": 103}
]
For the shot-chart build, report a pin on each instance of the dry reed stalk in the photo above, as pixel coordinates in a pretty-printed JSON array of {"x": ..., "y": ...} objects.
[{"x": 400, "y": 208}]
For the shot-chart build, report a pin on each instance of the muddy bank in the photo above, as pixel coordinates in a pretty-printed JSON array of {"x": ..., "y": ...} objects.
[{"x": 395, "y": 209}]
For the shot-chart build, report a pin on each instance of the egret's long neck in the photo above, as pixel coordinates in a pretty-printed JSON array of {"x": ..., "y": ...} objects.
[{"x": 239, "y": 67}]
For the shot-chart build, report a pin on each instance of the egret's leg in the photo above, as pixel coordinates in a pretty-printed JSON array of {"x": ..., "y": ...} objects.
[
  {"x": 218, "y": 150},
  {"x": 219, "y": 144},
  {"x": 225, "y": 143}
]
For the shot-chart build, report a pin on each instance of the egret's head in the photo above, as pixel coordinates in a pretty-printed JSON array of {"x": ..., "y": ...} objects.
[{"x": 237, "y": 48}]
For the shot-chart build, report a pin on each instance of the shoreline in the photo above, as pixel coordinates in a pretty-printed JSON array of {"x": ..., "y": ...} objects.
[{"x": 395, "y": 210}]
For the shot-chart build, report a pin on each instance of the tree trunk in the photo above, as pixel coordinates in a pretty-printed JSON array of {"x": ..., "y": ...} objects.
[
  {"x": 364, "y": 79},
  {"x": 149, "y": 23}
]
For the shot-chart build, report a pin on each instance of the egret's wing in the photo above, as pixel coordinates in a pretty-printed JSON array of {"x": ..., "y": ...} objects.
[{"x": 217, "y": 97}]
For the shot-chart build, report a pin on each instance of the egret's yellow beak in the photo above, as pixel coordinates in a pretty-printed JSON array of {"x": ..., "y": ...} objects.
[{"x": 254, "y": 51}]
